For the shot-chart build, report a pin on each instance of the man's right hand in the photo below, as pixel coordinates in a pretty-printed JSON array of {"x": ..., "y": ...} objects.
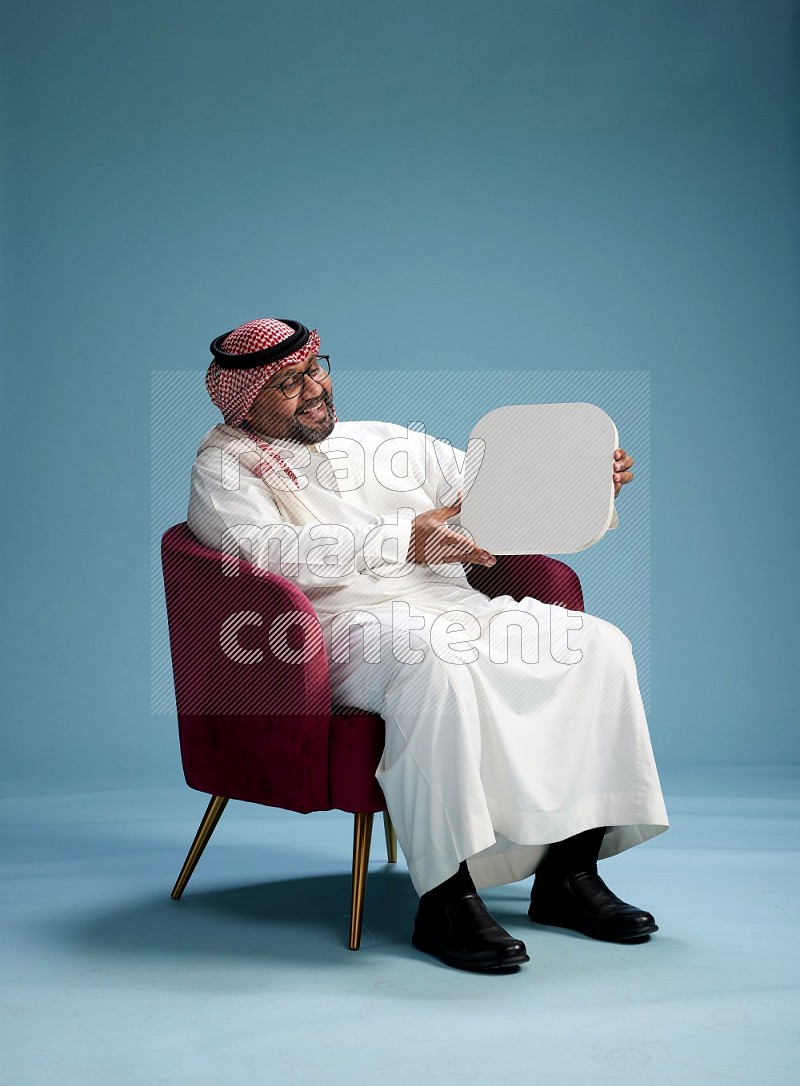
[{"x": 433, "y": 541}]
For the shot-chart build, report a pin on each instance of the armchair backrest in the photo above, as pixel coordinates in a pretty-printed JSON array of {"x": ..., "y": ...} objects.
[
  {"x": 243, "y": 640},
  {"x": 254, "y": 722}
]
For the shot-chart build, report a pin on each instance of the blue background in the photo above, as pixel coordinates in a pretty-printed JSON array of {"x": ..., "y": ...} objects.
[{"x": 538, "y": 186}]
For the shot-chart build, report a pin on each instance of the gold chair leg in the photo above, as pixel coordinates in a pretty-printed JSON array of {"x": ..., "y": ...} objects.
[
  {"x": 391, "y": 839},
  {"x": 206, "y": 828},
  {"x": 362, "y": 836}
]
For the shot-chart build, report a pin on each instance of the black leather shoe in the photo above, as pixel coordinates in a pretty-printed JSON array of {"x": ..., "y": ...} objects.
[
  {"x": 464, "y": 934},
  {"x": 584, "y": 903}
]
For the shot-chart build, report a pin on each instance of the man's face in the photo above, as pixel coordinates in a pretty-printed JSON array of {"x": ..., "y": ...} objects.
[{"x": 308, "y": 418}]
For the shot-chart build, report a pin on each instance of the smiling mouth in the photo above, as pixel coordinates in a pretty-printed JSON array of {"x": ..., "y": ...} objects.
[{"x": 314, "y": 409}]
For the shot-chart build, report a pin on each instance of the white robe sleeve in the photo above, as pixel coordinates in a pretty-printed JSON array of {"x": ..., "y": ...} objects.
[
  {"x": 444, "y": 470},
  {"x": 312, "y": 556}
]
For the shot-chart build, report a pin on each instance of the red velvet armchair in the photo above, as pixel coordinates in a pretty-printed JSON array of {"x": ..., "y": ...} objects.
[{"x": 256, "y": 723}]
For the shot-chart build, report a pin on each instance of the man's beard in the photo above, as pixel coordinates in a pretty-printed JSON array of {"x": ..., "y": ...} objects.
[{"x": 315, "y": 431}]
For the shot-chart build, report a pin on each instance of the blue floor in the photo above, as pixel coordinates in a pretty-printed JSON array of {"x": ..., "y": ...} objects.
[{"x": 247, "y": 979}]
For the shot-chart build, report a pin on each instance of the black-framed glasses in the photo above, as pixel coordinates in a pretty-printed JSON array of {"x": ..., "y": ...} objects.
[{"x": 292, "y": 385}]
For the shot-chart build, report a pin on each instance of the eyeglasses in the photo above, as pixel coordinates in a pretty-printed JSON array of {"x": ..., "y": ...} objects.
[{"x": 292, "y": 386}]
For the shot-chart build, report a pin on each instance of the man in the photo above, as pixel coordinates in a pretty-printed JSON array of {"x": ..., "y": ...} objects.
[{"x": 494, "y": 767}]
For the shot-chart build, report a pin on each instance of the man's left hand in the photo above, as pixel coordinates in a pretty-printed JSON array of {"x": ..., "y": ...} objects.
[{"x": 622, "y": 473}]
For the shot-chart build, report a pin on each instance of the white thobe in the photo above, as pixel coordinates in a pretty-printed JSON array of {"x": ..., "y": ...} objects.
[{"x": 498, "y": 741}]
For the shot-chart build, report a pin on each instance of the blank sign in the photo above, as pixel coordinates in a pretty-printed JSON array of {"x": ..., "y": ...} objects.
[{"x": 538, "y": 478}]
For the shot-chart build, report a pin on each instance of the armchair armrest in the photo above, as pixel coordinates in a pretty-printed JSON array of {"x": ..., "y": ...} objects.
[{"x": 536, "y": 575}]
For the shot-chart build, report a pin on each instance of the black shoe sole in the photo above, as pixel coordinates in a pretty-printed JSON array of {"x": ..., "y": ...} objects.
[
  {"x": 428, "y": 946},
  {"x": 640, "y": 936}
]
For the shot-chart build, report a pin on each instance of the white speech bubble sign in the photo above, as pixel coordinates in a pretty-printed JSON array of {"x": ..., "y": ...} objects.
[{"x": 538, "y": 478}]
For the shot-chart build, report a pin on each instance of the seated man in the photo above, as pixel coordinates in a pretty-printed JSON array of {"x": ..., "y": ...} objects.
[{"x": 494, "y": 767}]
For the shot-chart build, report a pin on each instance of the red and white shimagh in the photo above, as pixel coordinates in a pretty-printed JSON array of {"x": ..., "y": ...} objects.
[{"x": 233, "y": 391}]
